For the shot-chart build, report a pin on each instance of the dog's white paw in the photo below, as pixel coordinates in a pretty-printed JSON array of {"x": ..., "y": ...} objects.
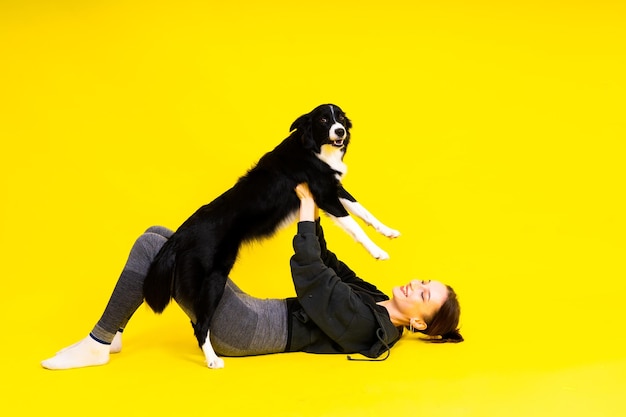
[
  {"x": 379, "y": 254},
  {"x": 387, "y": 231},
  {"x": 212, "y": 360},
  {"x": 216, "y": 363}
]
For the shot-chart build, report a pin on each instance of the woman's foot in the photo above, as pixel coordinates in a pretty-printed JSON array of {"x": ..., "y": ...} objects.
[{"x": 87, "y": 352}]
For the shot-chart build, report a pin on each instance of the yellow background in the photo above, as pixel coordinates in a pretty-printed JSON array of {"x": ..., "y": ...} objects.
[{"x": 491, "y": 134}]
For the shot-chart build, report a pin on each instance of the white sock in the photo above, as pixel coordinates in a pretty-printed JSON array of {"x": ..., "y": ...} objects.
[
  {"x": 86, "y": 352},
  {"x": 116, "y": 344}
]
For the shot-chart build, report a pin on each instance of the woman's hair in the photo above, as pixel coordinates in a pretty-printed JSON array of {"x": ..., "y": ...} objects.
[{"x": 443, "y": 326}]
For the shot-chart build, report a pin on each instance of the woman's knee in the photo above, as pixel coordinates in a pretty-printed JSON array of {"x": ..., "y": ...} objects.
[
  {"x": 147, "y": 246},
  {"x": 161, "y": 231}
]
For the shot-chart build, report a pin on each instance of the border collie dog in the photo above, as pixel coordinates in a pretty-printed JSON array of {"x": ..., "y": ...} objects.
[{"x": 196, "y": 261}]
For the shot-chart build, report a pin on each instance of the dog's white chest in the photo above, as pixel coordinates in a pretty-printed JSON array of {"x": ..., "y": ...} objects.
[{"x": 333, "y": 157}]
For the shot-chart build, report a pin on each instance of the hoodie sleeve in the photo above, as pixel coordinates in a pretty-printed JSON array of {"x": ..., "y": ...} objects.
[
  {"x": 338, "y": 310},
  {"x": 341, "y": 269}
]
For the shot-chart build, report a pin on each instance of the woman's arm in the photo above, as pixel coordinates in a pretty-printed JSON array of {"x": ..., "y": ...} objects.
[
  {"x": 310, "y": 212},
  {"x": 329, "y": 296},
  {"x": 333, "y": 305}
]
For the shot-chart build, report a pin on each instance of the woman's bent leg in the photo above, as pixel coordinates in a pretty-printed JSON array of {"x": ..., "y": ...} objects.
[{"x": 127, "y": 296}]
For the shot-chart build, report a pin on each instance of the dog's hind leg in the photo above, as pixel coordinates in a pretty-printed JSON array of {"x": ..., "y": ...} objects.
[
  {"x": 210, "y": 295},
  {"x": 213, "y": 361}
]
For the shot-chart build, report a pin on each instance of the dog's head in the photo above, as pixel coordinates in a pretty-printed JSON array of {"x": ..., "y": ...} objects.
[{"x": 326, "y": 125}]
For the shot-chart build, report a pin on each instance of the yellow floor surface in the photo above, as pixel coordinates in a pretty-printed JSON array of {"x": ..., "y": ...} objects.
[{"x": 491, "y": 134}]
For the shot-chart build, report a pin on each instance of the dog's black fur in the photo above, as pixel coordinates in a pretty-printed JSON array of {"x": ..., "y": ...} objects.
[{"x": 195, "y": 262}]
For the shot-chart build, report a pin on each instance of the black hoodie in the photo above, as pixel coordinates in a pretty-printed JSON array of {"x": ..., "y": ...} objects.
[{"x": 335, "y": 311}]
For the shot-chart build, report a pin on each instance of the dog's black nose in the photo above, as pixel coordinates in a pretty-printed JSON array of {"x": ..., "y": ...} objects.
[{"x": 340, "y": 132}]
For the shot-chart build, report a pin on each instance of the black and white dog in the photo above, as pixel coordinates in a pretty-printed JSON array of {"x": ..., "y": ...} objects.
[{"x": 195, "y": 262}]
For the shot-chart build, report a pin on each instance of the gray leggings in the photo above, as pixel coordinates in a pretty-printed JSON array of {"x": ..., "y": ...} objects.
[{"x": 241, "y": 326}]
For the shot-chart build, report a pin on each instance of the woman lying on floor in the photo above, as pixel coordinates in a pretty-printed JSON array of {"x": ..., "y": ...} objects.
[{"x": 334, "y": 310}]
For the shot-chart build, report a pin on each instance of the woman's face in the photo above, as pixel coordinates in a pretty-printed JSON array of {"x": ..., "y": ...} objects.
[{"x": 420, "y": 298}]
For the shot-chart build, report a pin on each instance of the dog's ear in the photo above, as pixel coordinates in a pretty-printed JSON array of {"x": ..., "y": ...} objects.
[
  {"x": 304, "y": 126},
  {"x": 300, "y": 122}
]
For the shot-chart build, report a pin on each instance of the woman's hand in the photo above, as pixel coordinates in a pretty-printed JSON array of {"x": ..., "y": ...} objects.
[{"x": 308, "y": 207}]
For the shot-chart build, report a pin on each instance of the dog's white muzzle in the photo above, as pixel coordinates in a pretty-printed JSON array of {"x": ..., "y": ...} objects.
[{"x": 337, "y": 134}]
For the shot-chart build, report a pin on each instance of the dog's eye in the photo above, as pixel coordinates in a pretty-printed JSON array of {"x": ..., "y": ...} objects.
[
  {"x": 323, "y": 120},
  {"x": 342, "y": 119}
]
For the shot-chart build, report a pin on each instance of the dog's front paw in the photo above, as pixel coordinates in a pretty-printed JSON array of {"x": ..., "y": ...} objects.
[
  {"x": 379, "y": 254},
  {"x": 388, "y": 231},
  {"x": 385, "y": 231},
  {"x": 216, "y": 363}
]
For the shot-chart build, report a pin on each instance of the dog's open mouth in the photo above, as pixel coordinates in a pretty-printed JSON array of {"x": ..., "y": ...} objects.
[{"x": 338, "y": 143}]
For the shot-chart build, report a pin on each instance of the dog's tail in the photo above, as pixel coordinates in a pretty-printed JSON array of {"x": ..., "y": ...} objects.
[{"x": 157, "y": 287}]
